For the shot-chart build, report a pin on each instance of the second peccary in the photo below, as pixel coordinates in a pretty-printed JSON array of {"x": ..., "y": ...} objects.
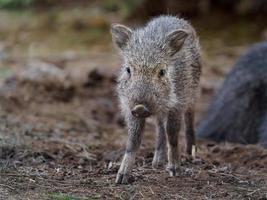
[
  {"x": 239, "y": 110},
  {"x": 160, "y": 78}
]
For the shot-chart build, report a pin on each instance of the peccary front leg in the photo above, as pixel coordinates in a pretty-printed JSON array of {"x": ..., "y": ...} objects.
[
  {"x": 173, "y": 129},
  {"x": 135, "y": 132},
  {"x": 160, "y": 149},
  {"x": 190, "y": 132}
]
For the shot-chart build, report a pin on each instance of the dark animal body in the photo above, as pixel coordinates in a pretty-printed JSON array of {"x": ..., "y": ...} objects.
[
  {"x": 238, "y": 112},
  {"x": 159, "y": 78}
]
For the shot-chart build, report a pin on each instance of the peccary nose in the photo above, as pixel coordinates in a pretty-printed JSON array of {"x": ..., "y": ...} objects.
[{"x": 140, "y": 111}]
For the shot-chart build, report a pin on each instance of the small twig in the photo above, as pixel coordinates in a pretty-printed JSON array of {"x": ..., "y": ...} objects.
[
  {"x": 62, "y": 182},
  {"x": 151, "y": 190},
  {"x": 19, "y": 175},
  {"x": 181, "y": 197},
  {"x": 133, "y": 196},
  {"x": 224, "y": 174},
  {"x": 250, "y": 193},
  {"x": 121, "y": 195},
  {"x": 7, "y": 186}
]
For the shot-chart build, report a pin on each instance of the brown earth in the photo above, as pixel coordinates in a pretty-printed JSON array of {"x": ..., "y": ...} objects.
[
  {"x": 62, "y": 137},
  {"x": 61, "y": 133}
]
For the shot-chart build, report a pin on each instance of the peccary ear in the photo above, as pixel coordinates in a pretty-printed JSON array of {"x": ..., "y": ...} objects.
[
  {"x": 120, "y": 35},
  {"x": 175, "y": 40}
]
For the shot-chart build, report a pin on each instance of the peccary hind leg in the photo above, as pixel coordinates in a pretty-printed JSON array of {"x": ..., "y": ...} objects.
[
  {"x": 190, "y": 132},
  {"x": 173, "y": 128},
  {"x": 160, "y": 149},
  {"x": 135, "y": 132}
]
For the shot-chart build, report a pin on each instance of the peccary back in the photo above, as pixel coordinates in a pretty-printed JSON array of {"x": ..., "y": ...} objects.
[{"x": 238, "y": 112}]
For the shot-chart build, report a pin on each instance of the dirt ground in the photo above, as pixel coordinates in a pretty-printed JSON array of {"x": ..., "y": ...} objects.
[{"x": 62, "y": 136}]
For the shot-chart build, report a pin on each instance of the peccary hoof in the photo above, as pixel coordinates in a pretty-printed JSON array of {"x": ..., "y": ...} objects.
[{"x": 124, "y": 179}]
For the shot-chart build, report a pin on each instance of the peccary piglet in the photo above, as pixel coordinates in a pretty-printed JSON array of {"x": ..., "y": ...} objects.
[
  {"x": 159, "y": 78},
  {"x": 238, "y": 112}
]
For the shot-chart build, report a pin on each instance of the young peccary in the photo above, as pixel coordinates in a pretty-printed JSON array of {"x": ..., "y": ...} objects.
[
  {"x": 160, "y": 78},
  {"x": 239, "y": 111}
]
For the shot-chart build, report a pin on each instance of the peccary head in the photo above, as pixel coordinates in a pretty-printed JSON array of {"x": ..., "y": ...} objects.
[{"x": 147, "y": 78}]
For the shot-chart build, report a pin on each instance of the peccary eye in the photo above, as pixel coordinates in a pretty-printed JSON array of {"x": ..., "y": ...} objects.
[
  {"x": 128, "y": 70},
  {"x": 162, "y": 72}
]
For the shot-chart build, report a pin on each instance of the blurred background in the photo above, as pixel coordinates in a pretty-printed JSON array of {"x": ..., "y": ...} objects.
[{"x": 61, "y": 132}]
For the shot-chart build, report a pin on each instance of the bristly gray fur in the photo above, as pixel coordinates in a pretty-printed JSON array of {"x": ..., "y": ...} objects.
[
  {"x": 147, "y": 51},
  {"x": 238, "y": 112},
  {"x": 166, "y": 43}
]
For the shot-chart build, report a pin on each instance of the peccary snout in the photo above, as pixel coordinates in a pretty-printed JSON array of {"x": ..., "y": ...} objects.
[{"x": 140, "y": 111}]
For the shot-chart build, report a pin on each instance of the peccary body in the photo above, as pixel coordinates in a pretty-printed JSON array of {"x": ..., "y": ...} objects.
[
  {"x": 159, "y": 78},
  {"x": 239, "y": 111}
]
